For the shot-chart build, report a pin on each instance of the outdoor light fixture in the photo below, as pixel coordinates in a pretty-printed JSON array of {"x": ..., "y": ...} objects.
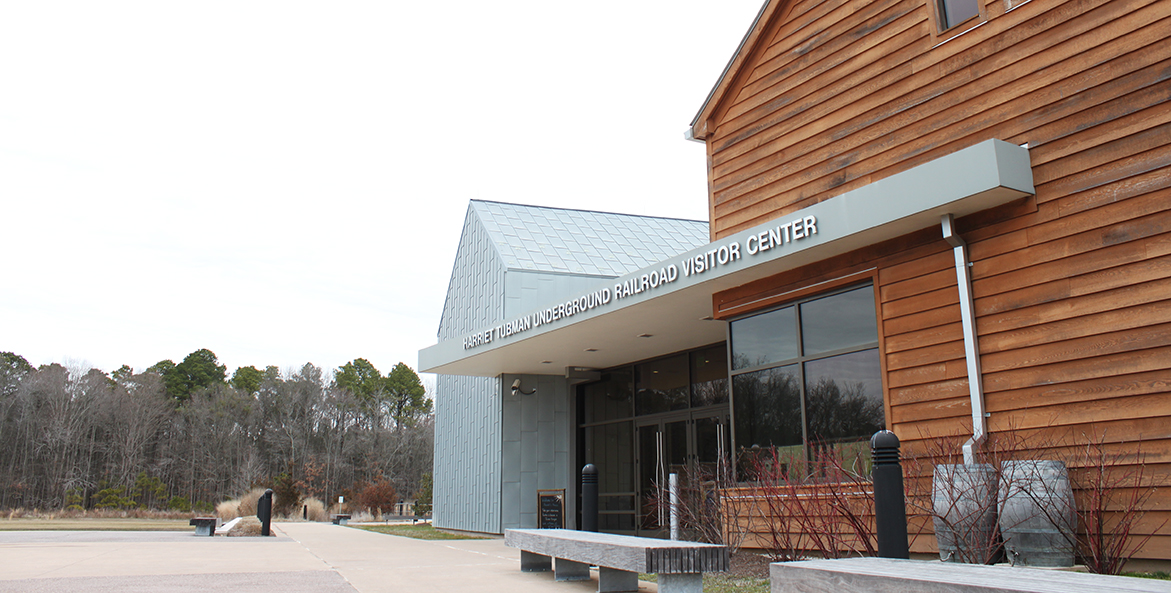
[{"x": 516, "y": 388}]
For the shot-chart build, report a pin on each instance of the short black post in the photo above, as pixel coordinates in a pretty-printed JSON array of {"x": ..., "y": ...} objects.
[
  {"x": 305, "y": 512},
  {"x": 589, "y": 498},
  {"x": 890, "y": 507},
  {"x": 264, "y": 511}
]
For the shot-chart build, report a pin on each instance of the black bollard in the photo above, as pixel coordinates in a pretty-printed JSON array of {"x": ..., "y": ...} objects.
[
  {"x": 264, "y": 511},
  {"x": 890, "y": 507},
  {"x": 305, "y": 512},
  {"x": 589, "y": 498}
]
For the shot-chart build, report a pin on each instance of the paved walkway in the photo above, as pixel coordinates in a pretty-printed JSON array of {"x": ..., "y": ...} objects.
[{"x": 317, "y": 557}]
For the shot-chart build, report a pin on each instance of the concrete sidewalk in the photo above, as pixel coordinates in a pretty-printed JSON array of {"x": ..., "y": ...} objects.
[{"x": 304, "y": 557}]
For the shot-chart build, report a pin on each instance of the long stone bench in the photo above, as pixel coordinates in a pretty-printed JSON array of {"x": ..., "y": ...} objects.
[
  {"x": 619, "y": 558},
  {"x": 878, "y": 575},
  {"x": 205, "y": 525}
]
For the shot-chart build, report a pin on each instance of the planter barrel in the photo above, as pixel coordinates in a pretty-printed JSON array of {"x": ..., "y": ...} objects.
[{"x": 1037, "y": 515}]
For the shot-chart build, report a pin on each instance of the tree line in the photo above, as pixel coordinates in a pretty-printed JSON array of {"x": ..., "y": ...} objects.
[{"x": 186, "y": 436}]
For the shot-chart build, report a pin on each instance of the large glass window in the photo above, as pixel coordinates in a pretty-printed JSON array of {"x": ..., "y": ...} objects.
[
  {"x": 709, "y": 376},
  {"x": 808, "y": 374},
  {"x": 641, "y": 421},
  {"x": 608, "y": 399},
  {"x": 661, "y": 385}
]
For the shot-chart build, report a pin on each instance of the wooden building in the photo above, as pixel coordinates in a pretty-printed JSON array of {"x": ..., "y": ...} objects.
[
  {"x": 955, "y": 212},
  {"x": 1071, "y": 286}
]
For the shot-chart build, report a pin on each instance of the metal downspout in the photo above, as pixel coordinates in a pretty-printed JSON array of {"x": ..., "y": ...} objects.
[{"x": 971, "y": 347}]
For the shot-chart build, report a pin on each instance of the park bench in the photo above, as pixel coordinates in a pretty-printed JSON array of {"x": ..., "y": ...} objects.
[
  {"x": 877, "y": 575},
  {"x": 619, "y": 558},
  {"x": 205, "y": 525},
  {"x": 341, "y": 519}
]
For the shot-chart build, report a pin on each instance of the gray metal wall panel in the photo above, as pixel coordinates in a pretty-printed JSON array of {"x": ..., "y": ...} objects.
[
  {"x": 467, "y": 472},
  {"x": 538, "y": 444},
  {"x": 527, "y": 290}
]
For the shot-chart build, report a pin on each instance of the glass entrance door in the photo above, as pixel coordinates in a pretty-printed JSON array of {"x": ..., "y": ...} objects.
[{"x": 668, "y": 444}]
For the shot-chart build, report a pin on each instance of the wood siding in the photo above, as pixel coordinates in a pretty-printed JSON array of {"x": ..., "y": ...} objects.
[{"x": 1072, "y": 288}]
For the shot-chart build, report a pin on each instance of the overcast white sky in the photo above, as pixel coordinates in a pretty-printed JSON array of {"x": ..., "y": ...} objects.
[{"x": 285, "y": 182}]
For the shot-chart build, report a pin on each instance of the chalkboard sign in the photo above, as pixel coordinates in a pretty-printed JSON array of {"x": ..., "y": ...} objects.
[{"x": 551, "y": 508}]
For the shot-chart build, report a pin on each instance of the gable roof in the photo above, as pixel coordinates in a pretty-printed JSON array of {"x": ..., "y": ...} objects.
[
  {"x": 558, "y": 240},
  {"x": 698, "y": 129}
]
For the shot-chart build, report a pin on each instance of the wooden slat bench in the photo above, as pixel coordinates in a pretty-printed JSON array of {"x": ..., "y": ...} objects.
[
  {"x": 619, "y": 558},
  {"x": 878, "y": 575}
]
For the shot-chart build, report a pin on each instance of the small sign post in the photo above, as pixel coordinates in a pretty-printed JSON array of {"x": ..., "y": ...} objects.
[{"x": 551, "y": 509}]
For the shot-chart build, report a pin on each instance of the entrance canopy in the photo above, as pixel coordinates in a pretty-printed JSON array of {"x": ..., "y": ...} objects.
[{"x": 667, "y": 307}]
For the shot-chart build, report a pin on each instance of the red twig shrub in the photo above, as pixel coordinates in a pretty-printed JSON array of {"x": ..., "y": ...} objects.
[{"x": 377, "y": 496}]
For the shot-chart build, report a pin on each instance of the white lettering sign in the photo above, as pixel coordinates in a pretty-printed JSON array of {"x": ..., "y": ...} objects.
[{"x": 714, "y": 257}]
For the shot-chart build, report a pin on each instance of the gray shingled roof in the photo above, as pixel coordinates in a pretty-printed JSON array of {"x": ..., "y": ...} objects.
[{"x": 581, "y": 242}]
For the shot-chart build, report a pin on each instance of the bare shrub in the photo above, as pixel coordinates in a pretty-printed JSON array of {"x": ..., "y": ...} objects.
[
  {"x": 249, "y": 503},
  {"x": 377, "y": 496},
  {"x": 247, "y": 527},
  {"x": 704, "y": 511},
  {"x": 315, "y": 510},
  {"x": 1112, "y": 490},
  {"x": 824, "y": 504},
  {"x": 228, "y": 509}
]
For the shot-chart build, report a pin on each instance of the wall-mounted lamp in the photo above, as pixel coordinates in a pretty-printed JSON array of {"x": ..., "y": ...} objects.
[{"x": 516, "y": 388}]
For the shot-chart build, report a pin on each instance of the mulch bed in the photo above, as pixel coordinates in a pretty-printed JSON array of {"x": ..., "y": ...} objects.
[{"x": 749, "y": 563}]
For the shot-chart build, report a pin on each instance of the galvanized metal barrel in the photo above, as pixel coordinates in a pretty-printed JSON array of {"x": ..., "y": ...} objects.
[
  {"x": 1037, "y": 515},
  {"x": 964, "y": 501}
]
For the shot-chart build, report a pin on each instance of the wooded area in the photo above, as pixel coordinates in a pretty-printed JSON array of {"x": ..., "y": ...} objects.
[{"x": 184, "y": 436}]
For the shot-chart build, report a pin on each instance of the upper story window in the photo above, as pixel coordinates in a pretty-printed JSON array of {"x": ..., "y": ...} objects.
[{"x": 953, "y": 12}]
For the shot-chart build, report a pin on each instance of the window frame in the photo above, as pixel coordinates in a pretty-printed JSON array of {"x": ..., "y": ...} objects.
[
  {"x": 846, "y": 285},
  {"x": 941, "y": 31}
]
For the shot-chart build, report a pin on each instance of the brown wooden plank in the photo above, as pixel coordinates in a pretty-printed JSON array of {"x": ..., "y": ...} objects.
[
  {"x": 912, "y": 394},
  {"x": 1084, "y": 412},
  {"x": 1122, "y": 363},
  {"x": 1111, "y": 342},
  {"x": 955, "y": 407},
  {"x": 944, "y": 297},
  {"x": 1086, "y": 261},
  {"x": 1156, "y": 159},
  {"x": 938, "y": 323},
  {"x": 1131, "y": 306},
  {"x": 1108, "y": 278},
  {"x": 938, "y": 64},
  {"x": 885, "y": 149},
  {"x": 925, "y": 355},
  {"x": 930, "y": 373},
  {"x": 1125, "y": 116},
  {"x": 1093, "y": 389},
  {"x": 1078, "y": 237},
  {"x": 915, "y": 268},
  {"x": 931, "y": 282},
  {"x": 929, "y": 336}
]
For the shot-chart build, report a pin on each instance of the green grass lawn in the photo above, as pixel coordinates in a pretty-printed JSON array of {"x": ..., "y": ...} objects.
[
  {"x": 421, "y": 531},
  {"x": 1162, "y": 576},
  {"x": 723, "y": 583}
]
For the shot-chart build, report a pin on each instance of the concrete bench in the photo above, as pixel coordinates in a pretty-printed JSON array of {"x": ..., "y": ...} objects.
[
  {"x": 877, "y": 575},
  {"x": 205, "y": 525},
  {"x": 619, "y": 558},
  {"x": 341, "y": 519}
]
